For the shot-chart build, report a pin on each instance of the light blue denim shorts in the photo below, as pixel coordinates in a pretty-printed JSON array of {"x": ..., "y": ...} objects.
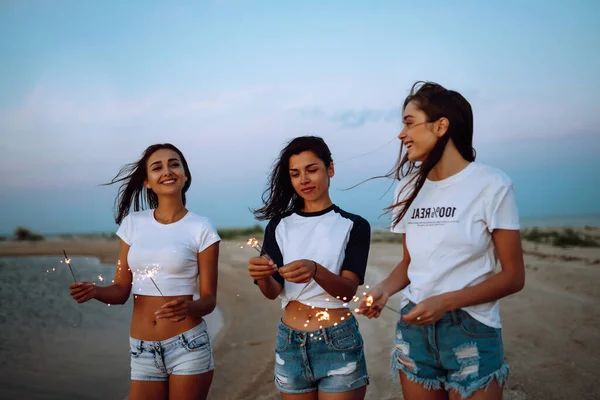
[
  {"x": 329, "y": 359},
  {"x": 189, "y": 353},
  {"x": 456, "y": 353}
]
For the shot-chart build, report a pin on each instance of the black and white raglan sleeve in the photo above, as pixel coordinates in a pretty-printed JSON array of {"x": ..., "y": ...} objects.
[
  {"x": 357, "y": 249},
  {"x": 271, "y": 248}
]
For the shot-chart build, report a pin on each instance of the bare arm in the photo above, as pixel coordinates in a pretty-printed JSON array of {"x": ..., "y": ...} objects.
[
  {"x": 261, "y": 269},
  {"x": 398, "y": 279},
  {"x": 508, "y": 281},
  {"x": 208, "y": 261},
  {"x": 117, "y": 293},
  {"x": 343, "y": 285},
  {"x": 269, "y": 287}
]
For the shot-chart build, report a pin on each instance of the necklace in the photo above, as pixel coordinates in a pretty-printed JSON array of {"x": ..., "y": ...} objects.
[{"x": 165, "y": 220}]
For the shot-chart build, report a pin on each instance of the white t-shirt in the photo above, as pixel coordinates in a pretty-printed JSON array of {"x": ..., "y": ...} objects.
[
  {"x": 168, "y": 252},
  {"x": 448, "y": 234},
  {"x": 333, "y": 238}
]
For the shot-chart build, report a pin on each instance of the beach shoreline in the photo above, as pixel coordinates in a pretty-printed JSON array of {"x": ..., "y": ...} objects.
[{"x": 557, "y": 309}]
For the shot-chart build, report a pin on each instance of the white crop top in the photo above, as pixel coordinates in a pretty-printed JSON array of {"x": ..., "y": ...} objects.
[
  {"x": 168, "y": 253},
  {"x": 333, "y": 238}
]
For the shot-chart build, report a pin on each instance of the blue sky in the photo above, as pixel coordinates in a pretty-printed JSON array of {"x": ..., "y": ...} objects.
[{"x": 86, "y": 86}]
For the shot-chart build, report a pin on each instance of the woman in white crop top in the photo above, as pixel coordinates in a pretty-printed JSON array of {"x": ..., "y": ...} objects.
[
  {"x": 314, "y": 258},
  {"x": 458, "y": 217},
  {"x": 171, "y": 354}
]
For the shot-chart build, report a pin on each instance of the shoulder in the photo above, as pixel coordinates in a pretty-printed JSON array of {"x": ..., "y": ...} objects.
[
  {"x": 199, "y": 220},
  {"x": 276, "y": 221},
  {"x": 494, "y": 177},
  {"x": 357, "y": 220},
  {"x": 137, "y": 216}
]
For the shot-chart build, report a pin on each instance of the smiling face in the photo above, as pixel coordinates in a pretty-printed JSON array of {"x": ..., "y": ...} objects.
[
  {"x": 418, "y": 135},
  {"x": 166, "y": 174},
  {"x": 309, "y": 176}
]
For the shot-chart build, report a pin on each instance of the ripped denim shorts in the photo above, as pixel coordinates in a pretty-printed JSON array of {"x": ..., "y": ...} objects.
[
  {"x": 456, "y": 353},
  {"x": 329, "y": 359},
  {"x": 188, "y": 353}
]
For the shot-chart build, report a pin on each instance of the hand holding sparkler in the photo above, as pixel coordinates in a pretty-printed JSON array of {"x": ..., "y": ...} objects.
[
  {"x": 176, "y": 310},
  {"x": 374, "y": 302},
  {"x": 82, "y": 291},
  {"x": 260, "y": 267},
  {"x": 68, "y": 262}
]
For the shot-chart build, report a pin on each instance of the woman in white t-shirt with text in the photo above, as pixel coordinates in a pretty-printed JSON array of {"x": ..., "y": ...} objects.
[
  {"x": 171, "y": 353},
  {"x": 457, "y": 217}
]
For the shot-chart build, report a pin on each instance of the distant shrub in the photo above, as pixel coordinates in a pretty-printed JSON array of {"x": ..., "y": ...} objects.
[
  {"x": 231, "y": 233},
  {"x": 565, "y": 238},
  {"x": 3, "y": 238},
  {"x": 65, "y": 236},
  {"x": 386, "y": 237},
  {"x": 22, "y": 233}
]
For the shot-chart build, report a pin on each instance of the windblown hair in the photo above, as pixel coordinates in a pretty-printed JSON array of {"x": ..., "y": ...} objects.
[
  {"x": 280, "y": 197},
  {"x": 133, "y": 191},
  {"x": 436, "y": 102}
]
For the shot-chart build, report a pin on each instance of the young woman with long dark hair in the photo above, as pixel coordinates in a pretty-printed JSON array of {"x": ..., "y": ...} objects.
[
  {"x": 314, "y": 258},
  {"x": 457, "y": 217},
  {"x": 171, "y": 353}
]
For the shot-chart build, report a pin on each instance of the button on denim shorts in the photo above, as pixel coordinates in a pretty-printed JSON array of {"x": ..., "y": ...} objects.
[
  {"x": 329, "y": 359},
  {"x": 188, "y": 353}
]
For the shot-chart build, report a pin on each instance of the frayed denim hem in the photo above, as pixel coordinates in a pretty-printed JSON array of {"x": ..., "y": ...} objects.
[
  {"x": 428, "y": 384},
  {"x": 501, "y": 376}
]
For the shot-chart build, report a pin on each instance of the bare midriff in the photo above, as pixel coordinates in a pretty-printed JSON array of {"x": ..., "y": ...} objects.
[
  {"x": 303, "y": 317},
  {"x": 145, "y": 325}
]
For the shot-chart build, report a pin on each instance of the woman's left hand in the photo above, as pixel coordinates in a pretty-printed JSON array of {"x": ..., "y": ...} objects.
[
  {"x": 427, "y": 312},
  {"x": 300, "y": 271},
  {"x": 176, "y": 310}
]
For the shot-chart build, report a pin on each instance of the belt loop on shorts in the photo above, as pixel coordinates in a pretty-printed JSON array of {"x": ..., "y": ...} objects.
[
  {"x": 325, "y": 336},
  {"x": 140, "y": 345},
  {"x": 289, "y": 336},
  {"x": 455, "y": 317}
]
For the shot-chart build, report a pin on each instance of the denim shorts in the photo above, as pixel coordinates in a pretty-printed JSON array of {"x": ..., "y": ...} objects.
[
  {"x": 329, "y": 359},
  {"x": 189, "y": 353},
  {"x": 457, "y": 352}
]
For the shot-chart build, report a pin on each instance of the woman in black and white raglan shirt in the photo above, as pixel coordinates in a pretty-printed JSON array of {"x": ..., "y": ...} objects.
[
  {"x": 314, "y": 258},
  {"x": 458, "y": 217},
  {"x": 171, "y": 353}
]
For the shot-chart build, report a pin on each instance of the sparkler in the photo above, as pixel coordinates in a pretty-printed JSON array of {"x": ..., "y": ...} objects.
[
  {"x": 68, "y": 262},
  {"x": 150, "y": 273},
  {"x": 253, "y": 242}
]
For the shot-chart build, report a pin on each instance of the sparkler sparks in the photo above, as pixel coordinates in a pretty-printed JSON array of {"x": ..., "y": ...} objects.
[
  {"x": 150, "y": 273},
  {"x": 68, "y": 262}
]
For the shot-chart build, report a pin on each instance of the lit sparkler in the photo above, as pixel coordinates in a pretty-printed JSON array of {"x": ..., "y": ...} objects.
[
  {"x": 150, "y": 273},
  {"x": 253, "y": 242},
  {"x": 68, "y": 262}
]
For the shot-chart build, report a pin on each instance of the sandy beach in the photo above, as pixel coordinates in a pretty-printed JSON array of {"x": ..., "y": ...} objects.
[{"x": 550, "y": 329}]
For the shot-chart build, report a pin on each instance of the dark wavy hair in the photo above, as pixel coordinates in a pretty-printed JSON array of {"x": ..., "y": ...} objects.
[
  {"x": 132, "y": 189},
  {"x": 280, "y": 197},
  {"x": 436, "y": 102}
]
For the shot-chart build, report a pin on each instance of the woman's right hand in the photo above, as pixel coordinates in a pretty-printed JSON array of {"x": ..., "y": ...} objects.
[
  {"x": 83, "y": 291},
  {"x": 261, "y": 267},
  {"x": 373, "y": 303}
]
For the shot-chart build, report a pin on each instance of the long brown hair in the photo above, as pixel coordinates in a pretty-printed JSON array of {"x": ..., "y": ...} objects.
[
  {"x": 436, "y": 102},
  {"x": 280, "y": 197},
  {"x": 133, "y": 190}
]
